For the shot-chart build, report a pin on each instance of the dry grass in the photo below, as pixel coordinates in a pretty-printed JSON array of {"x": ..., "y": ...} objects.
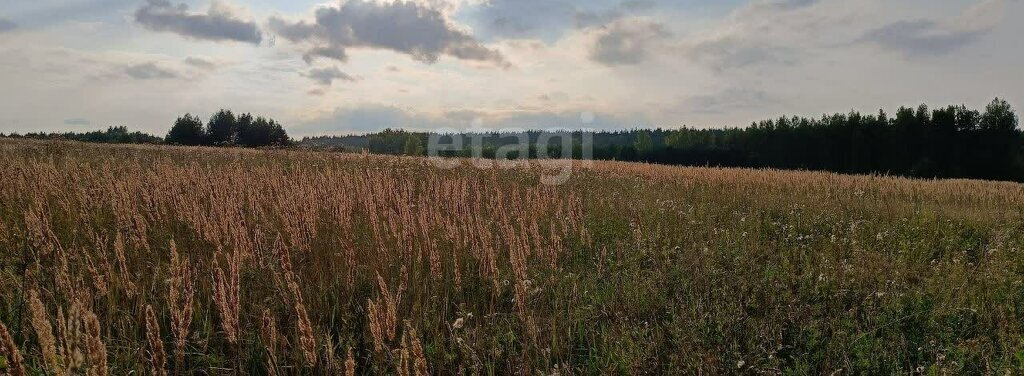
[
  {"x": 12, "y": 363},
  {"x": 290, "y": 262},
  {"x": 157, "y": 356}
]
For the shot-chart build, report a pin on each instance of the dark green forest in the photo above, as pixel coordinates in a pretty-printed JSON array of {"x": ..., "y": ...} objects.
[
  {"x": 113, "y": 135},
  {"x": 227, "y": 129},
  {"x": 947, "y": 142},
  {"x": 223, "y": 129}
]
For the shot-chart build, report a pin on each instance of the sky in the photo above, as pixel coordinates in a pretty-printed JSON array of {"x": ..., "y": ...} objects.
[{"x": 355, "y": 66}]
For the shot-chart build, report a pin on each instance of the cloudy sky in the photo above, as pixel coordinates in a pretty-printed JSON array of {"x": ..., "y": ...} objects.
[{"x": 342, "y": 66}]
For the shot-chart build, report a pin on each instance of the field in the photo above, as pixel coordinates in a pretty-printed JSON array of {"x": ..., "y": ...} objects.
[{"x": 163, "y": 260}]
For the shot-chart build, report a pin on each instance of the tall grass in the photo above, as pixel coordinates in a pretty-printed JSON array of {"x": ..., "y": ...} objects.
[{"x": 297, "y": 262}]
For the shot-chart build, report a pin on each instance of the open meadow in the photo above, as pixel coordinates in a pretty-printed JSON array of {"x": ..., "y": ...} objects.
[{"x": 172, "y": 260}]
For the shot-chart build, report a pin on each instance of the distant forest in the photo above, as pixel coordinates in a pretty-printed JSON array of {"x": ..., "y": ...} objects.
[
  {"x": 948, "y": 142},
  {"x": 113, "y": 135},
  {"x": 223, "y": 129}
]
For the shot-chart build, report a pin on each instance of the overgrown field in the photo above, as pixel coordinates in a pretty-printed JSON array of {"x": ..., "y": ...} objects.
[{"x": 116, "y": 259}]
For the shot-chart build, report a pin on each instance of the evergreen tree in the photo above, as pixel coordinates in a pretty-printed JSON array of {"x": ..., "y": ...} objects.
[
  {"x": 278, "y": 136},
  {"x": 187, "y": 130},
  {"x": 222, "y": 128},
  {"x": 999, "y": 116},
  {"x": 260, "y": 132},
  {"x": 643, "y": 144}
]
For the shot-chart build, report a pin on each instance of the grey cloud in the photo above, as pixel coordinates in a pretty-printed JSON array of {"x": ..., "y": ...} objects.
[
  {"x": 201, "y": 63},
  {"x": 732, "y": 99},
  {"x": 791, "y": 4},
  {"x": 549, "y": 20},
  {"x": 333, "y": 52},
  {"x": 77, "y": 121},
  {"x": 927, "y": 37},
  {"x": 732, "y": 53},
  {"x": 921, "y": 38},
  {"x": 627, "y": 42},
  {"x": 7, "y": 25},
  {"x": 760, "y": 7},
  {"x": 149, "y": 71},
  {"x": 760, "y": 32},
  {"x": 293, "y": 31},
  {"x": 327, "y": 76},
  {"x": 220, "y": 23},
  {"x": 405, "y": 27}
]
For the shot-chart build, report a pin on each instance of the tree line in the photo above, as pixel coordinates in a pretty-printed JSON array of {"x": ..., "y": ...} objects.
[
  {"x": 112, "y": 135},
  {"x": 946, "y": 142},
  {"x": 226, "y": 129},
  {"x": 223, "y": 129}
]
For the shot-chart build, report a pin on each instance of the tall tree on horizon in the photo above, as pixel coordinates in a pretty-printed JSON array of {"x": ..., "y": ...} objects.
[
  {"x": 222, "y": 128},
  {"x": 188, "y": 131}
]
